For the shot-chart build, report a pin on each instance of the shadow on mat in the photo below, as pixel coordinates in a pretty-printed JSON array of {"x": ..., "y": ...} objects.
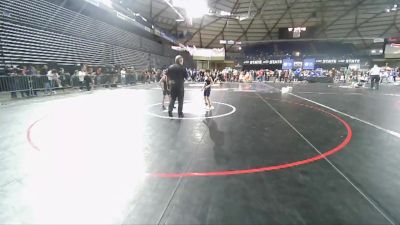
[{"x": 218, "y": 138}]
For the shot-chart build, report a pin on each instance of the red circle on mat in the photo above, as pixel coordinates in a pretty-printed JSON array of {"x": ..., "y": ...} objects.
[{"x": 332, "y": 151}]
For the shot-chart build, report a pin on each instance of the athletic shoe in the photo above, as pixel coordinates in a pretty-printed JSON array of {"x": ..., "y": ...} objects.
[
  {"x": 170, "y": 114},
  {"x": 212, "y": 107}
]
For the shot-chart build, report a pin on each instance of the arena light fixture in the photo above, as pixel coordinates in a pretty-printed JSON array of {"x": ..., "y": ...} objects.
[
  {"x": 241, "y": 18},
  {"x": 297, "y": 28},
  {"x": 224, "y": 13}
]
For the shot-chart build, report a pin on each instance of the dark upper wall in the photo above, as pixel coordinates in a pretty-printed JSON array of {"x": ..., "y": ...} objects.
[
  {"x": 97, "y": 13},
  {"x": 38, "y": 31}
]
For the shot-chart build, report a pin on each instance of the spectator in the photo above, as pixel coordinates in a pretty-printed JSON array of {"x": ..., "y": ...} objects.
[
  {"x": 123, "y": 76},
  {"x": 31, "y": 71},
  {"x": 64, "y": 78},
  {"x": 52, "y": 76},
  {"x": 98, "y": 76},
  {"x": 88, "y": 81},
  {"x": 12, "y": 73},
  {"x": 384, "y": 75},
  {"x": 81, "y": 76},
  {"x": 23, "y": 82},
  {"x": 375, "y": 72}
]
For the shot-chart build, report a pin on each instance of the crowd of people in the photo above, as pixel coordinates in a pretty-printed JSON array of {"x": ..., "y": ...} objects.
[
  {"x": 386, "y": 74},
  {"x": 29, "y": 79}
]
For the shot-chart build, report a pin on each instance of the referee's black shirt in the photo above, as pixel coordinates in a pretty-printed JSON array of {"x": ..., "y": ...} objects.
[{"x": 177, "y": 74}]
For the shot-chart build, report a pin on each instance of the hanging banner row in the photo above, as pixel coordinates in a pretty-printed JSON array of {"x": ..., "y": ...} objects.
[{"x": 308, "y": 63}]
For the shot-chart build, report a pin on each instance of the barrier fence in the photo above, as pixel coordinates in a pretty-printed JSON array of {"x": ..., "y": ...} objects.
[{"x": 31, "y": 85}]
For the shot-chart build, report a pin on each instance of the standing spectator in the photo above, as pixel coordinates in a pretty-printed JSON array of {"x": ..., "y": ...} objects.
[
  {"x": 235, "y": 75},
  {"x": 81, "y": 76},
  {"x": 159, "y": 75},
  {"x": 375, "y": 77},
  {"x": 395, "y": 74},
  {"x": 260, "y": 75},
  {"x": 11, "y": 72},
  {"x": 88, "y": 81},
  {"x": 43, "y": 77},
  {"x": 276, "y": 75},
  {"x": 64, "y": 78},
  {"x": 384, "y": 75},
  {"x": 31, "y": 71},
  {"x": 281, "y": 75},
  {"x": 23, "y": 82},
  {"x": 123, "y": 76},
  {"x": 241, "y": 77},
  {"x": 51, "y": 77},
  {"x": 98, "y": 76},
  {"x": 290, "y": 76},
  {"x": 286, "y": 76}
]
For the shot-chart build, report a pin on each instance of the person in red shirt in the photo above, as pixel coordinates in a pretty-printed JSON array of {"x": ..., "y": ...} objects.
[{"x": 260, "y": 76}]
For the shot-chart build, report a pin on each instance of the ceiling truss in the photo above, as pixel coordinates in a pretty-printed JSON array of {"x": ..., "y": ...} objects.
[{"x": 355, "y": 20}]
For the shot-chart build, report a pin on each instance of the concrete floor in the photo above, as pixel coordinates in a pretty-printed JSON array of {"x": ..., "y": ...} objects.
[{"x": 322, "y": 155}]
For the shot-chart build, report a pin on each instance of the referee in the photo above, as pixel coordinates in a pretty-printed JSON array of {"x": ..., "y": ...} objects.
[{"x": 177, "y": 74}]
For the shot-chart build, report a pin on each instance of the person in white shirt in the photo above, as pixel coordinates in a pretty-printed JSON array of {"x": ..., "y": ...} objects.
[
  {"x": 52, "y": 76},
  {"x": 81, "y": 76},
  {"x": 385, "y": 75},
  {"x": 123, "y": 76},
  {"x": 375, "y": 72}
]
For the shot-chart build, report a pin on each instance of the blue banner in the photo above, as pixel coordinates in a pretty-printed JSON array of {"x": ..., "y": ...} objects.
[
  {"x": 309, "y": 64},
  {"x": 287, "y": 64}
]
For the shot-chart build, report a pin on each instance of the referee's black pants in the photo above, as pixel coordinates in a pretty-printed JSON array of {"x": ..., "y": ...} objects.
[{"x": 177, "y": 91}]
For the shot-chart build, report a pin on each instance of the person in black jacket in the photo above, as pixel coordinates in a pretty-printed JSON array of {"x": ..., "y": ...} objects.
[{"x": 177, "y": 74}]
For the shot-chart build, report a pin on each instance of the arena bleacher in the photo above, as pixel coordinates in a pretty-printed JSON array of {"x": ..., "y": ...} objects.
[{"x": 38, "y": 32}]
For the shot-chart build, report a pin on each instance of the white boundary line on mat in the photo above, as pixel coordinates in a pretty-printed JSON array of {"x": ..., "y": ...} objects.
[{"x": 394, "y": 133}]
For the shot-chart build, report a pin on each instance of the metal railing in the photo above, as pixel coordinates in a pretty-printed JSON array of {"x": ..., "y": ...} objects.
[{"x": 31, "y": 85}]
